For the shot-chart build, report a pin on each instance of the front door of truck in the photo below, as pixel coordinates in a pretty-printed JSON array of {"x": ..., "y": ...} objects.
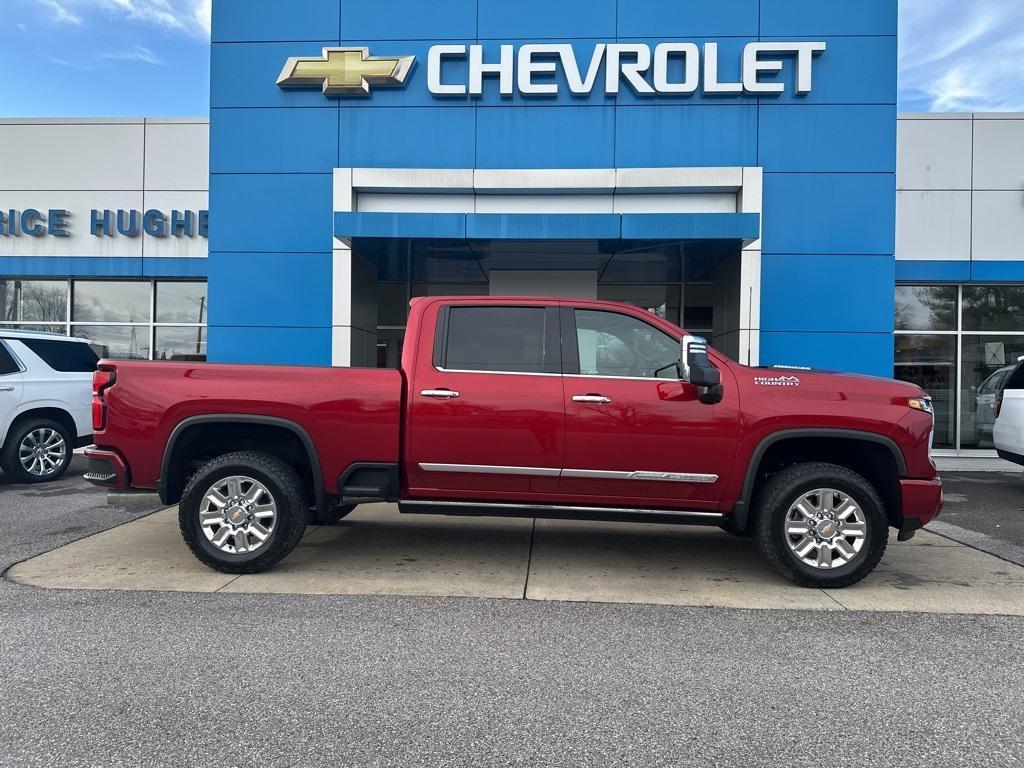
[
  {"x": 486, "y": 419},
  {"x": 636, "y": 436}
]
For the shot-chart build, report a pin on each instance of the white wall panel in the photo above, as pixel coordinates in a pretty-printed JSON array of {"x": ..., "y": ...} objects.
[
  {"x": 722, "y": 202},
  {"x": 100, "y": 156},
  {"x": 999, "y": 226},
  {"x": 999, "y": 155},
  {"x": 934, "y": 154},
  {"x": 177, "y": 156},
  {"x": 80, "y": 243},
  {"x": 933, "y": 226}
]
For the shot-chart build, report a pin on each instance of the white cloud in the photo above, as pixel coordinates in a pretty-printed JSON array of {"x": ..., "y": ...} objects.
[
  {"x": 190, "y": 17},
  {"x": 962, "y": 55},
  {"x": 138, "y": 53},
  {"x": 60, "y": 13}
]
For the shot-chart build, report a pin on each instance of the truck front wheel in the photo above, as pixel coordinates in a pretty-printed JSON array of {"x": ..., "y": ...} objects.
[
  {"x": 821, "y": 525},
  {"x": 243, "y": 512}
]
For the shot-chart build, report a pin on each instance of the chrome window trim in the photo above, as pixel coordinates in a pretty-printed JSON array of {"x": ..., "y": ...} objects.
[
  {"x": 494, "y": 373},
  {"x": 620, "y": 378},
  {"x": 561, "y": 508},
  {"x": 579, "y": 474}
]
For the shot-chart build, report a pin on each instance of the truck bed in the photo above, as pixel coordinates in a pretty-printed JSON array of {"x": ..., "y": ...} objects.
[{"x": 349, "y": 414}]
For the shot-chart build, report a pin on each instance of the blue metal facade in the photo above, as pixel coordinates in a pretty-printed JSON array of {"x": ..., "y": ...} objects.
[{"x": 829, "y": 157}]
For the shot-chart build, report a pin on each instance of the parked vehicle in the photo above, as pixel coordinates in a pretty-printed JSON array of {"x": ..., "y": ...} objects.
[
  {"x": 45, "y": 396},
  {"x": 527, "y": 407},
  {"x": 1008, "y": 433},
  {"x": 985, "y": 402}
]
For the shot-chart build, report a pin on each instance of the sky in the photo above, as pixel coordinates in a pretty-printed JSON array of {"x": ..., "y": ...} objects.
[{"x": 81, "y": 58}]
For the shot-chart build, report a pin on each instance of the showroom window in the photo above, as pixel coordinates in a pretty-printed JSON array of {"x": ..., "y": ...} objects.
[
  {"x": 124, "y": 319},
  {"x": 959, "y": 343}
]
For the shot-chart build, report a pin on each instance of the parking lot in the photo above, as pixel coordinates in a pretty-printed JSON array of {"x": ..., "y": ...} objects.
[{"x": 392, "y": 640}]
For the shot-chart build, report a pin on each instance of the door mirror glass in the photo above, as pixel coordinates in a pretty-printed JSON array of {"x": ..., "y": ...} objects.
[{"x": 695, "y": 365}]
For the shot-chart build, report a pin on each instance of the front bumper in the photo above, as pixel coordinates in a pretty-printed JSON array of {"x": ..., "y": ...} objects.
[
  {"x": 107, "y": 469},
  {"x": 922, "y": 503}
]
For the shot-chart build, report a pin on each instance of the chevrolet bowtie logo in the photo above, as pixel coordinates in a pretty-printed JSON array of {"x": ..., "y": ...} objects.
[{"x": 345, "y": 71}]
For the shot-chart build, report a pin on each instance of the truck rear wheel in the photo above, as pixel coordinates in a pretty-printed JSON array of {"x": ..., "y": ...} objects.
[
  {"x": 243, "y": 512},
  {"x": 821, "y": 525}
]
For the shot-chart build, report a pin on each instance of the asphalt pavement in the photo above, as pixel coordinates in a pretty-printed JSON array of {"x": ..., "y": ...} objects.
[
  {"x": 142, "y": 678},
  {"x": 991, "y": 503}
]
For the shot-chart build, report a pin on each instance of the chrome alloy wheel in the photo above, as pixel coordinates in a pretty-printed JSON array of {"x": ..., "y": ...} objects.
[
  {"x": 238, "y": 514},
  {"x": 825, "y": 528},
  {"x": 42, "y": 452}
]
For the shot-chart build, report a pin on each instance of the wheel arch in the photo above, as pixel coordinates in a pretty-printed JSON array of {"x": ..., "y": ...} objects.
[
  {"x": 55, "y": 413},
  {"x": 168, "y": 486},
  {"x": 886, "y": 483}
]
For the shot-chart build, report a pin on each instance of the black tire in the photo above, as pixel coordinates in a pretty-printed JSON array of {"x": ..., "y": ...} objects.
[
  {"x": 10, "y": 459},
  {"x": 785, "y": 489},
  {"x": 331, "y": 515},
  {"x": 285, "y": 489}
]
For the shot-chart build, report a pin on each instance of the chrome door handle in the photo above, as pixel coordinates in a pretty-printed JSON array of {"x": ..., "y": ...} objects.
[
  {"x": 441, "y": 393},
  {"x": 7, "y": 389},
  {"x": 601, "y": 399}
]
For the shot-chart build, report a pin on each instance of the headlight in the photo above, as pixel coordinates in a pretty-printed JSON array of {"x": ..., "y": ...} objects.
[{"x": 921, "y": 404}]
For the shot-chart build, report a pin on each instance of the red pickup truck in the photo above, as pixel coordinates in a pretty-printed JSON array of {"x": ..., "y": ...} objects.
[{"x": 533, "y": 407}]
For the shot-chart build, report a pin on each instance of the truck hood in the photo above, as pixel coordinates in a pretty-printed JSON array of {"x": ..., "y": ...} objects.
[{"x": 853, "y": 385}]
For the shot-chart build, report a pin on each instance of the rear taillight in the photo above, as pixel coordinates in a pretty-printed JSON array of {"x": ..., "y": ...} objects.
[
  {"x": 102, "y": 380},
  {"x": 999, "y": 401}
]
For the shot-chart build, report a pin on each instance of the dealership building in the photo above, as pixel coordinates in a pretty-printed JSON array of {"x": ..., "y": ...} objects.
[{"x": 737, "y": 166}]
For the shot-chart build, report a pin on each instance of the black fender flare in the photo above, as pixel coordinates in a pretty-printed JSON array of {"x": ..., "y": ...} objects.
[
  {"x": 244, "y": 418},
  {"x": 741, "y": 510}
]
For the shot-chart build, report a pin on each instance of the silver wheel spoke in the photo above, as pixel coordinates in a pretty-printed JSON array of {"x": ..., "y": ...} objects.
[
  {"x": 241, "y": 542},
  {"x": 845, "y": 549},
  {"x": 211, "y": 518},
  {"x": 222, "y": 536},
  {"x": 859, "y": 530},
  {"x": 805, "y": 546},
  {"x": 234, "y": 487},
  {"x": 798, "y": 528},
  {"x": 259, "y": 531},
  {"x": 264, "y": 511},
  {"x": 824, "y": 556}
]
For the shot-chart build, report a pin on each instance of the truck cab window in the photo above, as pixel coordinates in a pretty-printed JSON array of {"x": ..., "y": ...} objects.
[
  {"x": 503, "y": 339},
  {"x": 611, "y": 344}
]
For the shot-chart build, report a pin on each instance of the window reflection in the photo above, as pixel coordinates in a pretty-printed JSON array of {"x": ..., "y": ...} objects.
[
  {"x": 930, "y": 362},
  {"x": 182, "y": 344},
  {"x": 124, "y": 342},
  {"x": 181, "y": 302},
  {"x": 986, "y": 361},
  {"x": 33, "y": 301},
  {"x": 993, "y": 308},
  {"x": 111, "y": 302},
  {"x": 926, "y": 307}
]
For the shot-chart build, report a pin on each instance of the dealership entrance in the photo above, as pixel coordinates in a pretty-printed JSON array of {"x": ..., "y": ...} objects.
[{"x": 680, "y": 242}]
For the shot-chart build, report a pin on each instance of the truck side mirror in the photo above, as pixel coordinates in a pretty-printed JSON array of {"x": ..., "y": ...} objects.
[{"x": 695, "y": 368}]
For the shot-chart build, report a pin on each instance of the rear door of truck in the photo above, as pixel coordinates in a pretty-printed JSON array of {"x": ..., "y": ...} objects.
[{"x": 485, "y": 415}]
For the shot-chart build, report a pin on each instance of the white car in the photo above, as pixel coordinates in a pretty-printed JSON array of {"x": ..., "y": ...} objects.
[
  {"x": 1008, "y": 433},
  {"x": 45, "y": 403}
]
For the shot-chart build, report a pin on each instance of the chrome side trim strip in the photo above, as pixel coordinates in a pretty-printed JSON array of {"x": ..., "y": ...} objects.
[
  {"x": 559, "y": 508},
  {"x": 662, "y": 477},
  {"x": 480, "y": 469},
  {"x": 580, "y": 474}
]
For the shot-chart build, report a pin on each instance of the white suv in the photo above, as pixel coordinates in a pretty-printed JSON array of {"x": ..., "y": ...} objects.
[
  {"x": 45, "y": 403},
  {"x": 1008, "y": 433}
]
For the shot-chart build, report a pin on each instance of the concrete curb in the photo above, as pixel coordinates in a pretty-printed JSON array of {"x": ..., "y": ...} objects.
[{"x": 983, "y": 542}]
